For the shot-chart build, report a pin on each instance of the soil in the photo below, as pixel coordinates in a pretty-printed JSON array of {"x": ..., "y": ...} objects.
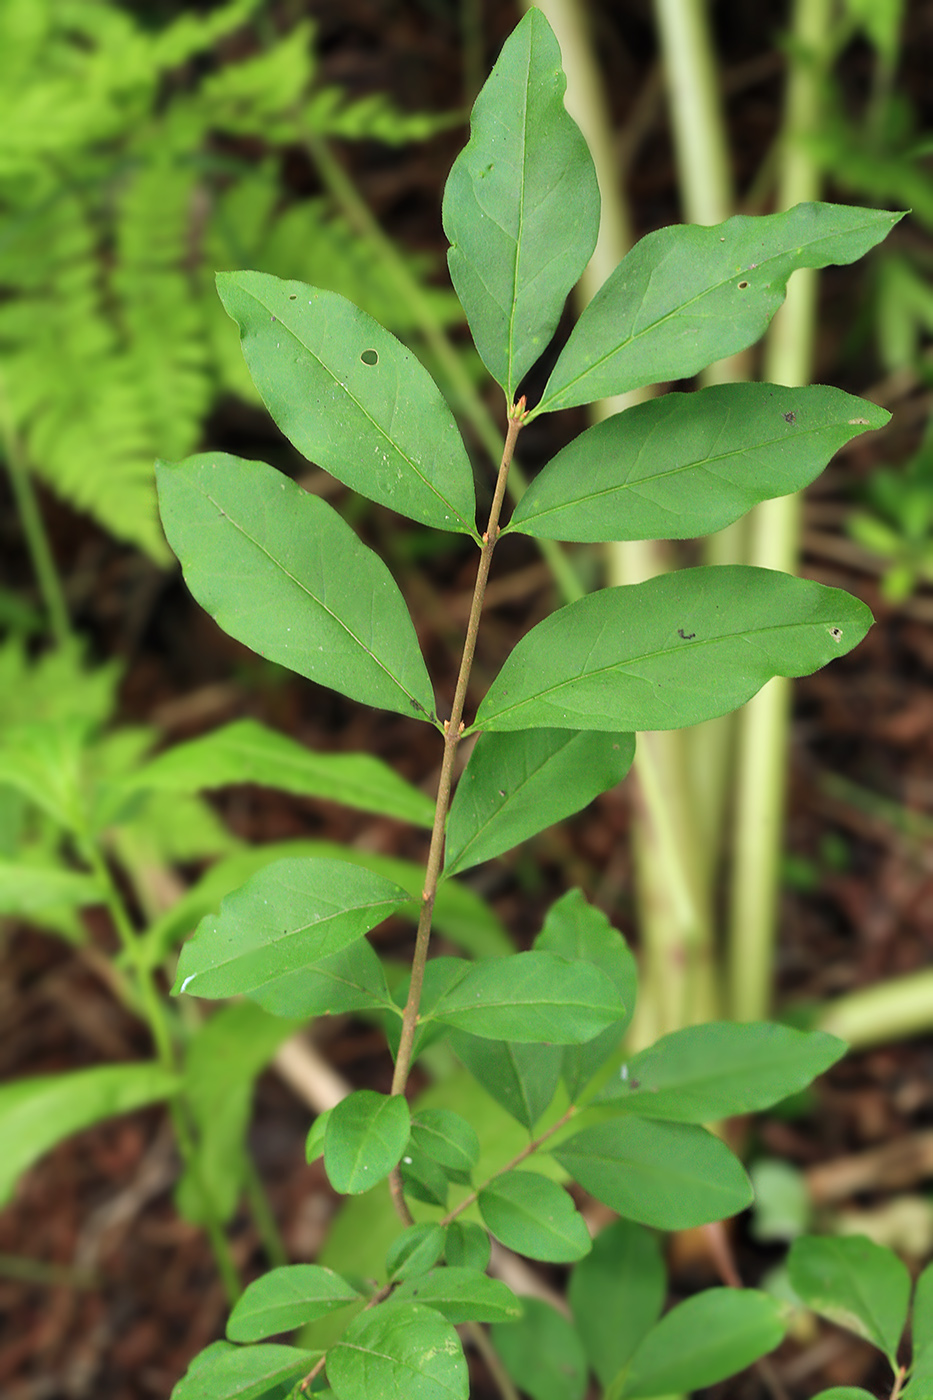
[{"x": 104, "y": 1291}]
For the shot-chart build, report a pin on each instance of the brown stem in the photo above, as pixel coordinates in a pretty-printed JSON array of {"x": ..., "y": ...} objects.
[{"x": 452, "y": 731}]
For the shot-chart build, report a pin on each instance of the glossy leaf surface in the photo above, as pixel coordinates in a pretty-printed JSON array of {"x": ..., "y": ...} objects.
[
  {"x": 711, "y": 1336},
  {"x": 531, "y": 997},
  {"x": 668, "y": 1175},
  {"x": 703, "y": 1073},
  {"x": 522, "y": 1078},
  {"x": 224, "y": 1372},
  {"x": 534, "y": 1216},
  {"x": 674, "y": 651},
  {"x": 248, "y": 752},
  {"x": 365, "y": 1137},
  {"x": 542, "y": 1353},
  {"x": 616, "y": 1295},
  {"x": 280, "y": 571},
  {"x": 292, "y": 914},
  {"x": 285, "y": 1298},
  {"x": 687, "y": 464},
  {"x": 854, "y": 1282},
  {"x": 518, "y": 784},
  {"x": 462, "y": 1295},
  {"x": 515, "y": 253},
  {"x": 42, "y": 1110},
  {"x": 691, "y": 294},
  {"x": 398, "y": 1351},
  {"x": 380, "y": 425}
]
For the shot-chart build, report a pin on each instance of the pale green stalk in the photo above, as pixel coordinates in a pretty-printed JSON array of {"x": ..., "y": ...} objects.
[
  {"x": 900, "y": 1007},
  {"x": 775, "y": 537}
]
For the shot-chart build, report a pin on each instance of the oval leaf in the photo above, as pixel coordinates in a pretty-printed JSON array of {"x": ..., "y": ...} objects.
[
  {"x": 446, "y": 1138},
  {"x": 351, "y": 980},
  {"x": 669, "y": 1175},
  {"x": 616, "y": 1295},
  {"x": 292, "y": 914},
  {"x": 531, "y": 997},
  {"x": 365, "y": 1137},
  {"x": 516, "y": 785},
  {"x": 415, "y": 1251},
  {"x": 709, "y": 1337},
  {"x": 282, "y": 572},
  {"x": 857, "y": 1284},
  {"x": 286, "y": 1298},
  {"x": 542, "y": 1353},
  {"x": 515, "y": 253},
  {"x": 223, "y": 1372},
  {"x": 522, "y": 1078},
  {"x": 687, "y": 464},
  {"x": 702, "y": 1073},
  {"x": 398, "y": 1351},
  {"x": 534, "y": 1216},
  {"x": 462, "y": 1295},
  {"x": 352, "y": 398},
  {"x": 38, "y": 1112},
  {"x": 467, "y": 1246},
  {"x": 674, "y": 651},
  {"x": 688, "y": 295}
]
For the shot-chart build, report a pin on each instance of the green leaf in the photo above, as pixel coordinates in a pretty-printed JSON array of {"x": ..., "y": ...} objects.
[
  {"x": 711, "y": 1336},
  {"x": 351, "y": 980},
  {"x": 398, "y": 1352},
  {"x": 415, "y": 1251},
  {"x": 352, "y": 398},
  {"x": 687, "y": 464},
  {"x": 845, "y": 1392},
  {"x": 542, "y": 1353},
  {"x": 522, "y": 1078},
  {"x": 531, "y": 997},
  {"x": 27, "y": 889},
  {"x": 38, "y": 1112},
  {"x": 285, "y": 1298},
  {"x": 446, "y": 1138},
  {"x": 515, "y": 253},
  {"x": 366, "y": 1135},
  {"x": 423, "y": 1179},
  {"x": 616, "y": 1294},
  {"x": 679, "y": 649},
  {"x": 855, "y": 1283},
  {"x": 242, "y": 1373},
  {"x": 462, "y": 1295},
  {"x": 467, "y": 1246},
  {"x": 516, "y": 785},
  {"x": 314, "y": 1143},
  {"x": 575, "y": 929},
  {"x": 534, "y": 1216},
  {"x": 717, "y": 1070},
  {"x": 223, "y": 1059},
  {"x": 668, "y": 1175},
  {"x": 688, "y": 295},
  {"x": 292, "y": 914},
  {"x": 921, "y": 1329},
  {"x": 280, "y": 571},
  {"x": 248, "y": 752}
]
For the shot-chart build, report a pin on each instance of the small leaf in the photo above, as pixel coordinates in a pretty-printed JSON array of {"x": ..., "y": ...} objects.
[
  {"x": 314, "y": 1143},
  {"x": 286, "y": 1298},
  {"x": 575, "y": 929},
  {"x": 711, "y": 1336},
  {"x": 857, "y": 1284},
  {"x": 380, "y": 426},
  {"x": 415, "y": 1251},
  {"x": 534, "y": 1216},
  {"x": 668, "y": 1175},
  {"x": 531, "y": 997},
  {"x": 366, "y": 1135},
  {"x": 921, "y": 1330},
  {"x": 398, "y": 1351},
  {"x": 462, "y": 1295},
  {"x": 703, "y": 1073},
  {"x": 242, "y": 1373},
  {"x": 542, "y": 1353},
  {"x": 689, "y": 294},
  {"x": 522, "y": 1078},
  {"x": 516, "y": 785},
  {"x": 515, "y": 253},
  {"x": 447, "y": 1138},
  {"x": 281, "y": 572},
  {"x": 248, "y": 752},
  {"x": 351, "y": 980},
  {"x": 291, "y": 914},
  {"x": 616, "y": 1295},
  {"x": 679, "y": 649},
  {"x": 467, "y": 1246},
  {"x": 42, "y": 1110},
  {"x": 684, "y": 465},
  {"x": 423, "y": 1179}
]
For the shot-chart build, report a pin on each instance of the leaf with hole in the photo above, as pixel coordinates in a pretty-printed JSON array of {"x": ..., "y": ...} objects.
[
  {"x": 518, "y": 784},
  {"x": 285, "y": 1298},
  {"x": 352, "y": 398},
  {"x": 674, "y": 651},
  {"x": 514, "y": 252},
  {"x": 365, "y": 1138},
  {"x": 283, "y": 573}
]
